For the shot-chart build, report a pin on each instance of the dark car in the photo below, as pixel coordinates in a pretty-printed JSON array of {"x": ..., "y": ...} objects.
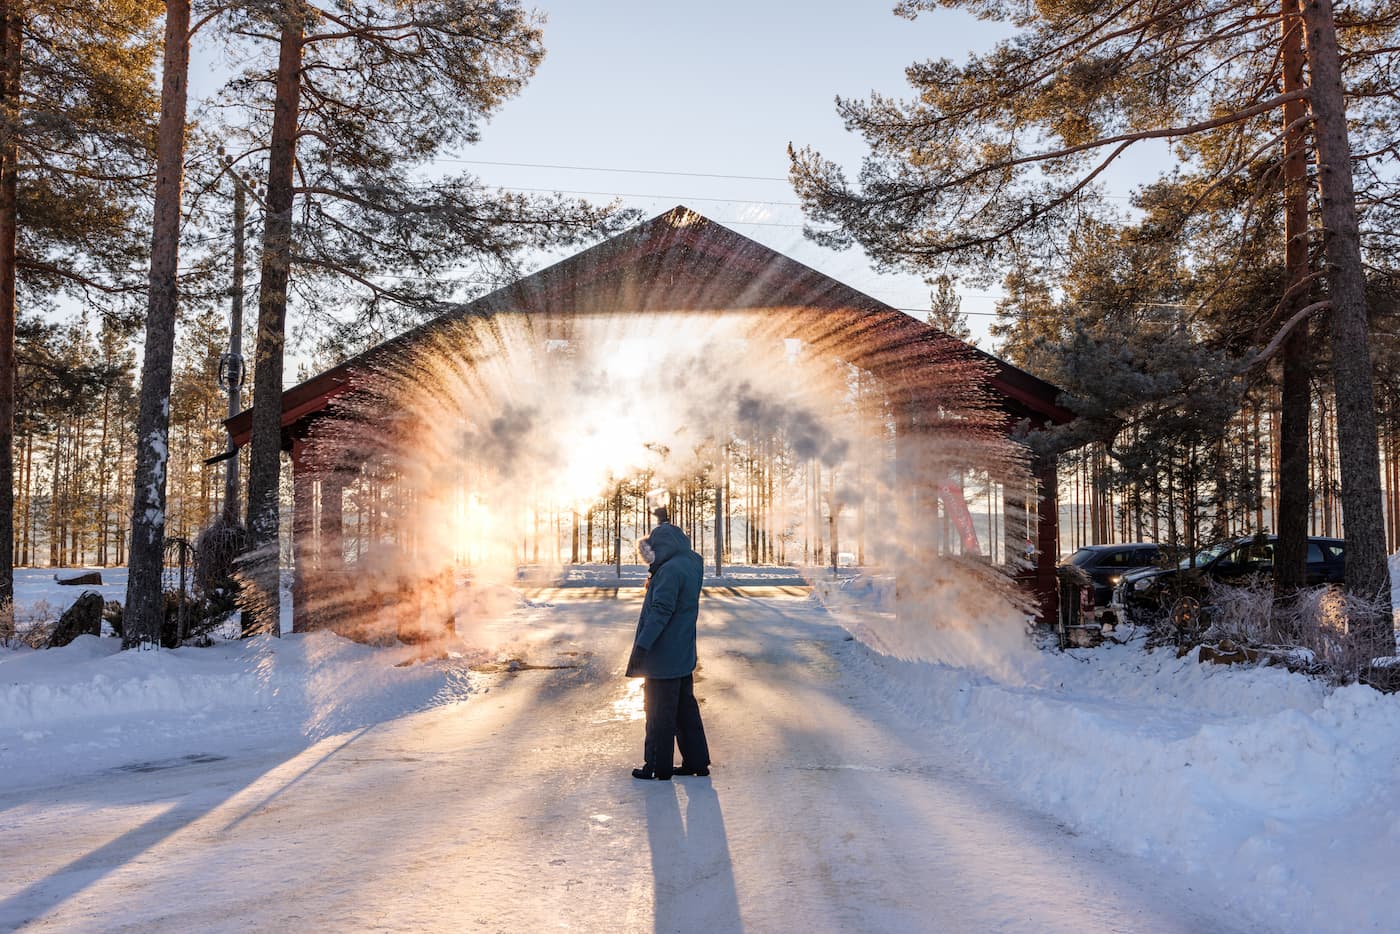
[
  {"x": 1236, "y": 561},
  {"x": 1106, "y": 564}
]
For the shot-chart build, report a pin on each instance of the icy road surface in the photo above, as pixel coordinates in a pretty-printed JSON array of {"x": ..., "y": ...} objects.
[{"x": 514, "y": 811}]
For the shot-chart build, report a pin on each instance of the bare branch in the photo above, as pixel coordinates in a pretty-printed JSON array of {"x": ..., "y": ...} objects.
[
  {"x": 77, "y": 278},
  {"x": 208, "y": 17},
  {"x": 1264, "y": 355}
]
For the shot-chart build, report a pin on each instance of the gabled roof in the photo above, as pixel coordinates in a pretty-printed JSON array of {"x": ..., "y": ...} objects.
[{"x": 681, "y": 260}]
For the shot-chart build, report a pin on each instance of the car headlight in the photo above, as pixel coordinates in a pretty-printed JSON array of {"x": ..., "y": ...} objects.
[{"x": 1143, "y": 584}]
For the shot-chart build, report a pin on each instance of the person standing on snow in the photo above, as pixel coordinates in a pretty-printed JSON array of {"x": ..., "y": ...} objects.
[{"x": 663, "y": 652}]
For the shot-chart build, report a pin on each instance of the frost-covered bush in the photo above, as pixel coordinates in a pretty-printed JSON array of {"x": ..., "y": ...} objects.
[
  {"x": 215, "y": 550},
  {"x": 1318, "y": 618},
  {"x": 202, "y": 618},
  {"x": 1243, "y": 614},
  {"x": 1307, "y": 631},
  {"x": 28, "y": 625},
  {"x": 215, "y": 587}
]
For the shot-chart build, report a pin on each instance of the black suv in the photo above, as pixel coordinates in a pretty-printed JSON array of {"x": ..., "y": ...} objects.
[
  {"x": 1106, "y": 564},
  {"x": 1234, "y": 561}
]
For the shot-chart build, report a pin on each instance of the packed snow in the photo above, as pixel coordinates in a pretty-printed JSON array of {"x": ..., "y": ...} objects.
[{"x": 907, "y": 779}]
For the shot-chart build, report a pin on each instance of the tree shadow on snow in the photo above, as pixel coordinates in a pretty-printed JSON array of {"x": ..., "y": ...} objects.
[{"x": 59, "y": 885}]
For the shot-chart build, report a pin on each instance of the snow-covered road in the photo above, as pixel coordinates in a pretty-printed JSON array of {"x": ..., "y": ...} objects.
[{"x": 514, "y": 811}]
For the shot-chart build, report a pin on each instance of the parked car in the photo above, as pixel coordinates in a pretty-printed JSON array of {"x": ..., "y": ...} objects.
[
  {"x": 1235, "y": 561},
  {"x": 1106, "y": 565}
]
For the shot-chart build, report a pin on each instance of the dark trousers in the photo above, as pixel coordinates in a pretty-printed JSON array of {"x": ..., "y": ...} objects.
[{"x": 673, "y": 718}]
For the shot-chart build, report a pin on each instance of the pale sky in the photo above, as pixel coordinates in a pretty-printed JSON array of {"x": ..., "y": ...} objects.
[
  {"x": 666, "y": 103},
  {"x": 718, "y": 88}
]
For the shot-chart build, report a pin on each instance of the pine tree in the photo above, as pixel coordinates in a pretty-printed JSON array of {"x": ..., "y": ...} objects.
[
  {"x": 144, "y": 607},
  {"x": 74, "y": 106},
  {"x": 945, "y": 309},
  {"x": 998, "y": 157}
]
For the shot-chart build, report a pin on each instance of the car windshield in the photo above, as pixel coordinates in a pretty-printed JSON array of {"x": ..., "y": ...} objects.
[
  {"x": 1206, "y": 555},
  {"x": 1082, "y": 557}
]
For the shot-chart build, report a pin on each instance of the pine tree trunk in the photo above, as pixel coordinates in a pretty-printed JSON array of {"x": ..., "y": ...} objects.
[
  {"x": 1257, "y": 451},
  {"x": 264, "y": 469},
  {"x": 728, "y": 506},
  {"x": 1392, "y": 529},
  {"x": 27, "y": 552},
  {"x": 1324, "y": 445},
  {"x": 102, "y": 455},
  {"x": 9, "y": 175},
  {"x": 1366, "y": 572},
  {"x": 78, "y": 498},
  {"x": 122, "y": 537},
  {"x": 144, "y": 608},
  {"x": 55, "y": 501},
  {"x": 1295, "y": 392},
  {"x": 617, "y": 531},
  {"x": 719, "y": 526}
]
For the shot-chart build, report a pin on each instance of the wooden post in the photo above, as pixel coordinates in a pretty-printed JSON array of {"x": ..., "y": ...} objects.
[
  {"x": 331, "y": 553},
  {"x": 1015, "y": 525},
  {"x": 1047, "y": 538},
  {"x": 303, "y": 527}
]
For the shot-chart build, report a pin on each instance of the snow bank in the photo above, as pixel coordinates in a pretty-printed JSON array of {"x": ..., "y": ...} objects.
[
  {"x": 92, "y": 706},
  {"x": 296, "y": 675},
  {"x": 1281, "y": 790}
]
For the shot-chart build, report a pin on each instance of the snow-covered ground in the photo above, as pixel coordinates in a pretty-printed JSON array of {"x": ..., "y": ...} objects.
[
  {"x": 1280, "y": 796},
  {"x": 309, "y": 781}
]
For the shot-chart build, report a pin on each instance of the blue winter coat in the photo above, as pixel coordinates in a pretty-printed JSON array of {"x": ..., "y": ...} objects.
[{"x": 666, "y": 629}]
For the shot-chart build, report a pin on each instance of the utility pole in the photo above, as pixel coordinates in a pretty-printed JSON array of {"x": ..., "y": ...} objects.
[{"x": 231, "y": 369}]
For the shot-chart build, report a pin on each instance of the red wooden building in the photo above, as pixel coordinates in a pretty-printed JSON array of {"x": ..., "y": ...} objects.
[{"x": 683, "y": 261}]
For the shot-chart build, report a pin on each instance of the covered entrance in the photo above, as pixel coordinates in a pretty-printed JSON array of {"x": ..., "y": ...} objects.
[{"x": 783, "y": 416}]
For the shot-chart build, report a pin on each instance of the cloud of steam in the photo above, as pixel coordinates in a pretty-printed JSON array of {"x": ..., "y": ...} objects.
[
  {"x": 458, "y": 450},
  {"x": 804, "y": 432}
]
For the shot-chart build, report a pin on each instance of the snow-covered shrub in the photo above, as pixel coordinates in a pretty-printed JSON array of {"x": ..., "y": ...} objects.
[
  {"x": 1318, "y": 617},
  {"x": 214, "y": 552},
  {"x": 1308, "y": 631},
  {"x": 215, "y": 588},
  {"x": 201, "y": 618},
  {"x": 28, "y": 625},
  {"x": 1243, "y": 614}
]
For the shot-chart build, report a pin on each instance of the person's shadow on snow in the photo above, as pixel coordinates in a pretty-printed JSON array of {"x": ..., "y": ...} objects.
[{"x": 692, "y": 871}]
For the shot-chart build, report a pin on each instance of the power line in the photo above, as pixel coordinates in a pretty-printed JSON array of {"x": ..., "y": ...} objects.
[
  {"x": 598, "y": 168},
  {"x": 594, "y": 168},
  {"x": 679, "y": 199},
  {"x": 1040, "y": 315}
]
